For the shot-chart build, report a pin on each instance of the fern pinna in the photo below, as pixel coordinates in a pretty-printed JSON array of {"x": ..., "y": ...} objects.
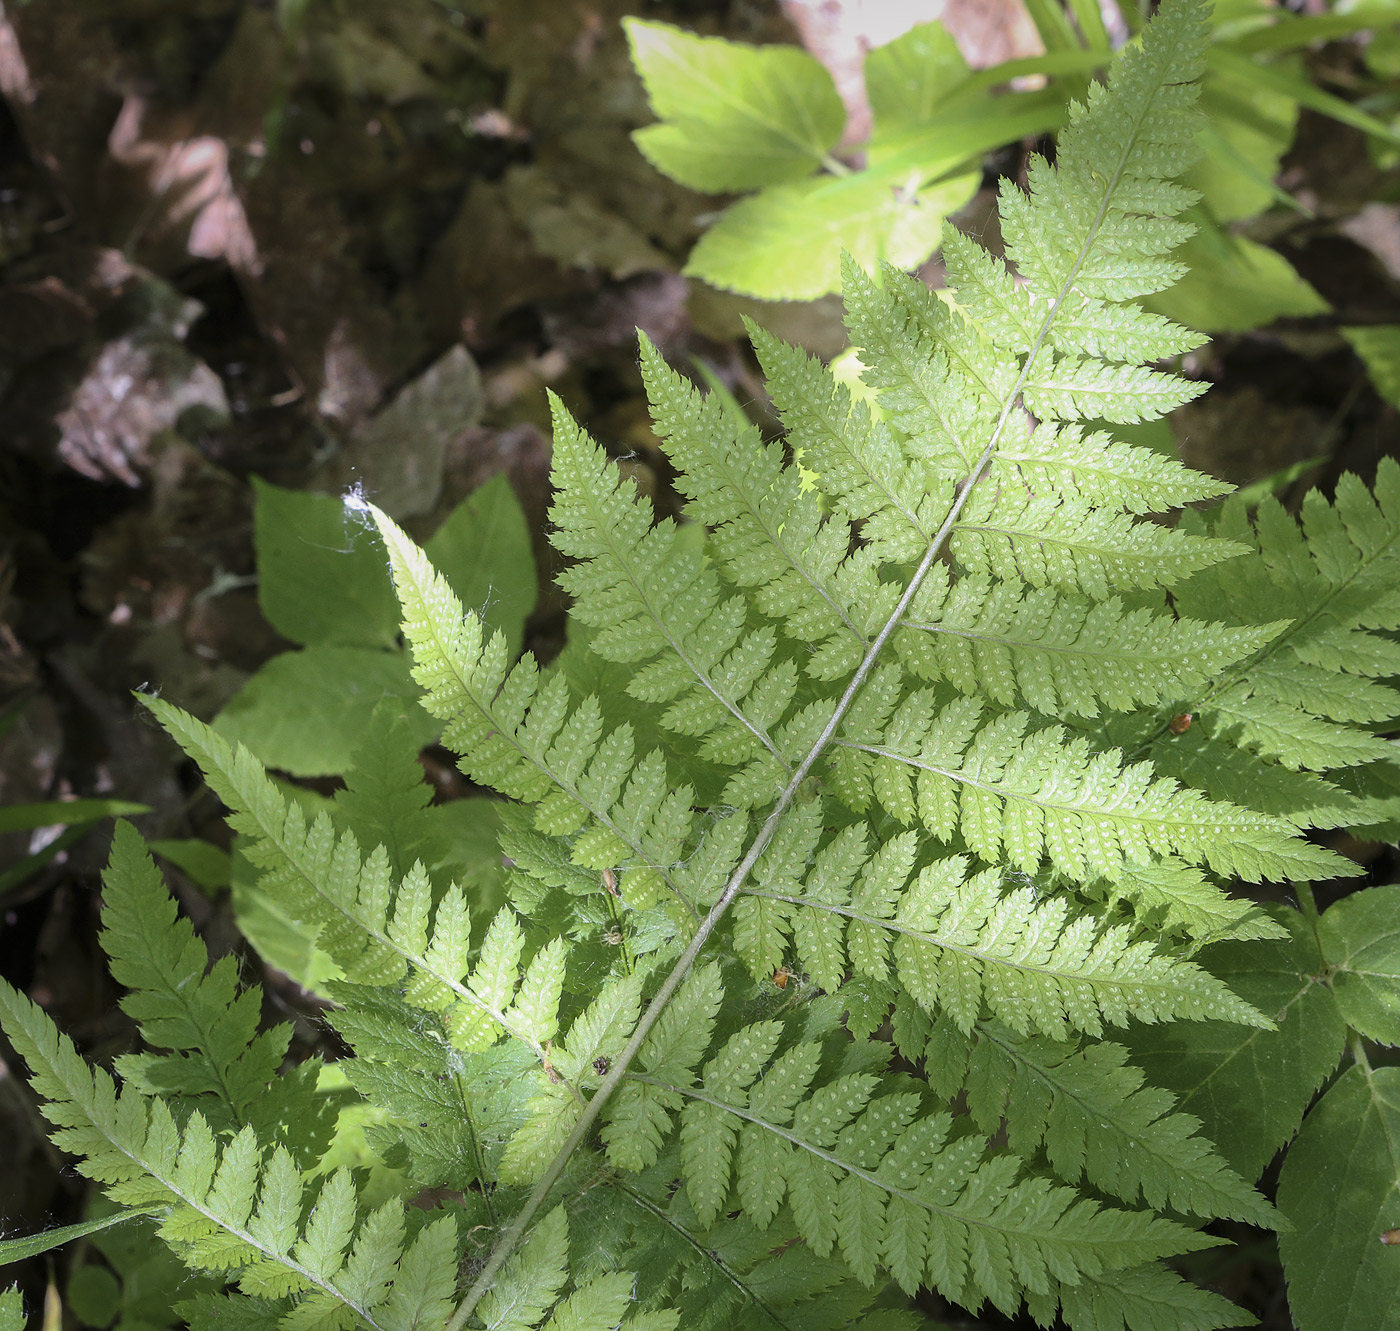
[{"x": 846, "y": 833}]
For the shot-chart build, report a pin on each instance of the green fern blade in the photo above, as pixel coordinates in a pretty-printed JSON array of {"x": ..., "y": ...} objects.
[
  {"x": 514, "y": 732},
  {"x": 859, "y": 464},
  {"x": 1063, "y": 460},
  {"x": 211, "y": 1026},
  {"x": 1096, "y": 1121},
  {"x": 766, "y": 528},
  {"x": 1036, "y": 795},
  {"x": 1050, "y": 541},
  {"x": 1062, "y": 654},
  {"x": 964, "y": 946},
  {"x": 328, "y": 884},
  {"x": 647, "y": 592},
  {"x": 131, "y": 1144},
  {"x": 1149, "y": 1297},
  {"x": 974, "y": 1205}
]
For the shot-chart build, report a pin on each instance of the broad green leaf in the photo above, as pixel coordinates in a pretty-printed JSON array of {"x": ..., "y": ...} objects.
[
  {"x": 65, "y": 813},
  {"x": 1340, "y": 1189},
  {"x": 785, "y": 243},
  {"x": 1235, "y": 284},
  {"x": 1294, "y": 83},
  {"x": 1248, "y": 130},
  {"x": 18, "y": 1250},
  {"x": 321, "y": 574},
  {"x": 1250, "y": 1087},
  {"x": 483, "y": 550},
  {"x": 205, "y": 864},
  {"x": 1379, "y": 348},
  {"x": 11, "y": 1310},
  {"x": 734, "y": 116},
  {"x": 280, "y": 940},
  {"x": 304, "y": 712},
  {"x": 908, "y": 77},
  {"x": 1360, "y": 938}
]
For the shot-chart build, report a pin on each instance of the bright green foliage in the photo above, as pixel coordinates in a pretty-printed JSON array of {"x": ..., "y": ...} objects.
[
  {"x": 878, "y": 747},
  {"x": 1312, "y": 696},
  {"x": 376, "y": 928},
  {"x": 218, "y": 1058},
  {"x": 1086, "y": 1108},
  {"x": 11, "y": 1310},
  {"x": 735, "y": 117}
]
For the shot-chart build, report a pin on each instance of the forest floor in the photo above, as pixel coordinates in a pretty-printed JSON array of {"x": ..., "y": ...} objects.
[{"x": 226, "y": 254}]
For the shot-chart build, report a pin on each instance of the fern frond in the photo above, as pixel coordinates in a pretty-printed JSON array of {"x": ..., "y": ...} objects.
[
  {"x": 1047, "y": 540},
  {"x": 1095, "y": 468},
  {"x": 517, "y": 733},
  {"x": 1310, "y": 698},
  {"x": 650, "y": 594},
  {"x": 768, "y": 529},
  {"x": 1088, "y": 1110},
  {"x": 224, "y": 1207},
  {"x": 876, "y": 1177},
  {"x": 1062, "y": 653},
  {"x": 964, "y": 945},
  {"x": 859, "y": 462},
  {"x": 531, "y": 1283},
  {"x": 218, "y": 1057},
  {"x": 1029, "y": 795},
  {"x": 379, "y": 931}
]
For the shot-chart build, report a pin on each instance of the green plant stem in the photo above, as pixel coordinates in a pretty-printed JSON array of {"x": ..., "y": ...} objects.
[
  {"x": 1307, "y": 901},
  {"x": 511, "y": 1238}
]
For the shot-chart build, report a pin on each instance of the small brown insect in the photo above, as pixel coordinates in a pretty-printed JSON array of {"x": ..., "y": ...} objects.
[
  {"x": 781, "y": 976},
  {"x": 1179, "y": 725},
  {"x": 601, "y": 1064},
  {"x": 610, "y": 882},
  {"x": 1391, "y": 1238}
]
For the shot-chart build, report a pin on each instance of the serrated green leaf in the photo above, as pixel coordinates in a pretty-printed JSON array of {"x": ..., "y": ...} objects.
[
  {"x": 734, "y": 116},
  {"x": 1360, "y": 941},
  {"x": 1250, "y": 1088},
  {"x": 1339, "y": 1188}
]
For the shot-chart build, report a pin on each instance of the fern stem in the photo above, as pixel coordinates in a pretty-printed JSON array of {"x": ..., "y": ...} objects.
[{"x": 511, "y": 1238}]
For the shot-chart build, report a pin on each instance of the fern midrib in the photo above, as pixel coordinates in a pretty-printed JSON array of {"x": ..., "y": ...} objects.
[
  {"x": 508, "y": 1241},
  {"x": 987, "y": 959},
  {"x": 1074, "y": 649}
]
